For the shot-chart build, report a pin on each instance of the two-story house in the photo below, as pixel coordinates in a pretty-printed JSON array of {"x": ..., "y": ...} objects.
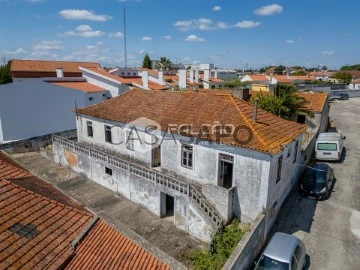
[{"x": 200, "y": 157}]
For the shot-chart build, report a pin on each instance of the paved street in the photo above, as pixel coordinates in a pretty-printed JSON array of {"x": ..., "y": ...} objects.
[{"x": 331, "y": 228}]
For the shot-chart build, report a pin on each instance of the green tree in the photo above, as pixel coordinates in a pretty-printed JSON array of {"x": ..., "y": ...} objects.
[
  {"x": 5, "y": 74},
  {"x": 343, "y": 76},
  {"x": 163, "y": 64},
  {"x": 279, "y": 70},
  {"x": 284, "y": 103},
  {"x": 353, "y": 67},
  {"x": 235, "y": 83},
  {"x": 324, "y": 68},
  {"x": 299, "y": 73},
  {"x": 147, "y": 62}
]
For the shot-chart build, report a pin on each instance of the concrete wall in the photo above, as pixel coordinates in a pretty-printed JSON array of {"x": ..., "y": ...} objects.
[
  {"x": 249, "y": 246},
  {"x": 352, "y": 93},
  {"x": 222, "y": 199},
  {"x": 33, "y": 108},
  {"x": 354, "y": 86},
  {"x": 115, "y": 88},
  {"x": 186, "y": 215}
]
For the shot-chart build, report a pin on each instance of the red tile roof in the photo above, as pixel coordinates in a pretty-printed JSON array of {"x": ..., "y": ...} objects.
[
  {"x": 315, "y": 102},
  {"x": 215, "y": 80},
  {"x": 284, "y": 79},
  {"x": 82, "y": 86},
  {"x": 259, "y": 78},
  {"x": 269, "y": 133},
  {"x": 55, "y": 227},
  {"x": 41, "y": 68},
  {"x": 105, "y": 248},
  {"x": 304, "y": 78},
  {"x": 151, "y": 71}
]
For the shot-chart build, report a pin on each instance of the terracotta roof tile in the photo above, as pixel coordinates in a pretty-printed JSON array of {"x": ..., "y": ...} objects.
[
  {"x": 212, "y": 79},
  {"x": 314, "y": 101},
  {"x": 105, "y": 248},
  {"x": 55, "y": 226},
  {"x": 82, "y": 86},
  {"x": 41, "y": 68},
  {"x": 259, "y": 78},
  {"x": 167, "y": 107}
]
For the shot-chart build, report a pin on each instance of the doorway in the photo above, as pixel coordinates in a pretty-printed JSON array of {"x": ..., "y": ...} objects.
[
  {"x": 156, "y": 156},
  {"x": 226, "y": 171},
  {"x": 167, "y": 205}
]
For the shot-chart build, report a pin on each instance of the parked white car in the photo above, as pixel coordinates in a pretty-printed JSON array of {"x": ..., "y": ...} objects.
[{"x": 329, "y": 146}]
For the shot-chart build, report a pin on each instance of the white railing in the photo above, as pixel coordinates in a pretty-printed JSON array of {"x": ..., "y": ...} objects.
[{"x": 148, "y": 174}]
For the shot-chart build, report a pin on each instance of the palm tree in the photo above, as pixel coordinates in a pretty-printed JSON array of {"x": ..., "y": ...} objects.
[
  {"x": 284, "y": 103},
  {"x": 163, "y": 64}
]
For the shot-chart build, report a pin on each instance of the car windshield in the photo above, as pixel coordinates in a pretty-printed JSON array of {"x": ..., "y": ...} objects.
[
  {"x": 319, "y": 177},
  {"x": 272, "y": 264}
]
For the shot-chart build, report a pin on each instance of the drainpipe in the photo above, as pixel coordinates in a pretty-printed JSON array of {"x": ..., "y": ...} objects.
[{"x": 255, "y": 109}]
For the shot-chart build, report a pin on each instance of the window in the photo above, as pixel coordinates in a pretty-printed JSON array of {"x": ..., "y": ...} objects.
[
  {"x": 91, "y": 98},
  {"x": 279, "y": 169},
  {"x": 213, "y": 87},
  {"x": 134, "y": 74},
  {"x": 90, "y": 131},
  {"x": 129, "y": 140},
  {"x": 327, "y": 146},
  {"x": 108, "y": 134},
  {"x": 187, "y": 156},
  {"x": 104, "y": 95},
  {"x": 108, "y": 171},
  {"x": 122, "y": 73},
  {"x": 298, "y": 252},
  {"x": 296, "y": 150}
]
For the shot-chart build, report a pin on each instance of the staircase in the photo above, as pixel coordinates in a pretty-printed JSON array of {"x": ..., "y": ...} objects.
[{"x": 148, "y": 174}]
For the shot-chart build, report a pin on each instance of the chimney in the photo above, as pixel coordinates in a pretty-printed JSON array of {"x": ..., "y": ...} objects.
[
  {"x": 216, "y": 74},
  {"x": 197, "y": 76},
  {"x": 207, "y": 74},
  {"x": 145, "y": 79},
  {"x": 192, "y": 76},
  {"x": 255, "y": 109},
  {"x": 241, "y": 93},
  {"x": 182, "y": 78},
  {"x": 59, "y": 73},
  {"x": 161, "y": 77}
]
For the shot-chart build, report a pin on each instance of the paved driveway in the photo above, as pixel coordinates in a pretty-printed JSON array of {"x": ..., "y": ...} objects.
[{"x": 331, "y": 228}]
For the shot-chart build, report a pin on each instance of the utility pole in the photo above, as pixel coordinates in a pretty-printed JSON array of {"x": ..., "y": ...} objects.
[{"x": 125, "y": 46}]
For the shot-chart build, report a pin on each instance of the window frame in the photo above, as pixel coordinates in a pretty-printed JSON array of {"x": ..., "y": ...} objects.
[
  {"x": 279, "y": 168},
  {"x": 296, "y": 150},
  {"x": 129, "y": 143},
  {"x": 89, "y": 127},
  {"x": 298, "y": 251},
  {"x": 188, "y": 156},
  {"x": 293, "y": 259},
  {"x": 107, "y": 130}
]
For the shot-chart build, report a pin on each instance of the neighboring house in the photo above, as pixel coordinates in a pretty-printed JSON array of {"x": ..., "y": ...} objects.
[
  {"x": 28, "y": 69},
  {"x": 354, "y": 85},
  {"x": 262, "y": 87},
  {"x": 36, "y": 107},
  {"x": 257, "y": 79},
  {"x": 190, "y": 167},
  {"x": 224, "y": 74},
  {"x": 41, "y": 228},
  {"x": 318, "y": 104}
]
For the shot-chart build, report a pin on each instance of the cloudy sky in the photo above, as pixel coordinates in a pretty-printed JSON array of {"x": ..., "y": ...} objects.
[{"x": 241, "y": 33}]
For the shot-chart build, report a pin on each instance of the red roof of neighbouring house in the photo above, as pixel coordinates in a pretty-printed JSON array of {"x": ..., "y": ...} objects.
[
  {"x": 269, "y": 133},
  {"x": 105, "y": 248},
  {"x": 315, "y": 102},
  {"x": 53, "y": 228},
  {"x": 42, "y": 68},
  {"x": 81, "y": 86}
]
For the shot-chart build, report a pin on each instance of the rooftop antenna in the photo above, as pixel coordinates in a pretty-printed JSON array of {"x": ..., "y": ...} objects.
[{"x": 125, "y": 47}]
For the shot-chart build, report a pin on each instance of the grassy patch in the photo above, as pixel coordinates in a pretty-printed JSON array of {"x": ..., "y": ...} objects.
[{"x": 225, "y": 244}]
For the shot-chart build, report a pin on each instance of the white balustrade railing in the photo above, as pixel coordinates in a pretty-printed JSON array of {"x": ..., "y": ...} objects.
[{"x": 146, "y": 173}]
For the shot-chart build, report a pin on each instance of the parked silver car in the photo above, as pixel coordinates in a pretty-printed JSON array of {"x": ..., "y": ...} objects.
[{"x": 284, "y": 252}]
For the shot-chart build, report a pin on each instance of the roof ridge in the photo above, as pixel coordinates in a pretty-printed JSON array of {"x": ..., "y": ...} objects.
[
  {"x": 46, "y": 198},
  {"x": 246, "y": 120}
]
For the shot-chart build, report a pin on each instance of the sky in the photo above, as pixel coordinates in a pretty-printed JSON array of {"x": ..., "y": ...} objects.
[{"x": 229, "y": 34}]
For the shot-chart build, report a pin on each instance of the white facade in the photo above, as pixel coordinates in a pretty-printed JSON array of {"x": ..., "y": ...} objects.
[
  {"x": 354, "y": 85},
  {"x": 254, "y": 176},
  {"x": 33, "y": 108}
]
